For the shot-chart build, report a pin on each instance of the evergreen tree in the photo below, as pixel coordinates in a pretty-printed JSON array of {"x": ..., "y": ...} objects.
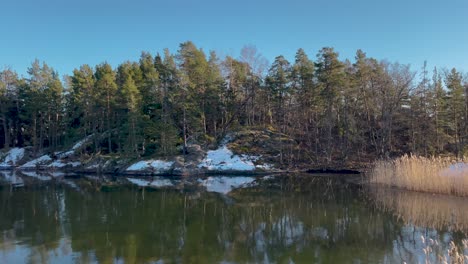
[
  {"x": 106, "y": 88},
  {"x": 331, "y": 78},
  {"x": 8, "y": 94},
  {"x": 456, "y": 108},
  {"x": 278, "y": 82}
]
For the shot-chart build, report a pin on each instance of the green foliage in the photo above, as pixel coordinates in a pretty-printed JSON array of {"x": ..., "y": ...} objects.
[{"x": 336, "y": 112}]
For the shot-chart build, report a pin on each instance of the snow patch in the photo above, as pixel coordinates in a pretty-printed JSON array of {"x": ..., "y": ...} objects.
[
  {"x": 74, "y": 164},
  {"x": 75, "y": 147},
  {"x": 94, "y": 166},
  {"x": 12, "y": 158},
  {"x": 80, "y": 143},
  {"x": 264, "y": 166},
  {"x": 39, "y": 161},
  {"x": 57, "y": 164},
  {"x": 62, "y": 155},
  {"x": 155, "y": 165},
  {"x": 225, "y": 184},
  {"x": 223, "y": 159}
]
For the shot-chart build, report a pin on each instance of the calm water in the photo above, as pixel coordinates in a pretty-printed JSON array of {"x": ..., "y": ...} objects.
[{"x": 46, "y": 219}]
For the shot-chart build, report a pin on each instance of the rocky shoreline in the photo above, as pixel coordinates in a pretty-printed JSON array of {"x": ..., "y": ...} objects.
[
  {"x": 196, "y": 162},
  {"x": 226, "y": 159}
]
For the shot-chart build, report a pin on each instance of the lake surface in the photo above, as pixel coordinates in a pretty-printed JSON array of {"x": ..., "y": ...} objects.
[{"x": 304, "y": 219}]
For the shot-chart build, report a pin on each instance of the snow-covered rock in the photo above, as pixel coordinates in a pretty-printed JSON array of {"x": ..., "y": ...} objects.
[
  {"x": 62, "y": 155},
  {"x": 225, "y": 184},
  {"x": 264, "y": 166},
  {"x": 46, "y": 161},
  {"x": 92, "y": 167},
  {"x": 222, "y": 159},
  {"x": 157, "y": 166},
  {"x": 75, "y": 147},
  {"x": 13, "y": 156},
  {"x": 61, "y": 164},
  {"x": 80, "y": 143},
  {"x": 57, "y": 164},
  {"x": 43, "y": 160}
]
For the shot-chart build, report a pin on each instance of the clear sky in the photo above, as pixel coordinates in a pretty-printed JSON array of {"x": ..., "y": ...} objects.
[{"x": 66, "y": 34}]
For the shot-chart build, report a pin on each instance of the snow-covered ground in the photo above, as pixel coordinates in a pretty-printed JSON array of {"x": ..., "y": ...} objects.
[
  {"x": 80, "y": 143},
  {"x": 61, "y": 164},
  {"x": 225, "y": 184},
  {"x": 35, "y": 162},
  {"x": 75, "y": 147},
  {"x": 158, "y": 166},
  {"x": 12, "y": 157},
  {"x": 223, "y": 159},
  {"x": 48, "y": 161}
]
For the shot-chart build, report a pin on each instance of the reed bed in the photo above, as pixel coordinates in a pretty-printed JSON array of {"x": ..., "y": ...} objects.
[{"x": 435, "y": 175}]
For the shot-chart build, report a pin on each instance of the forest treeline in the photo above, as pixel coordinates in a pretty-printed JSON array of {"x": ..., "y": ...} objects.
[{"x": 332, "y": 109}]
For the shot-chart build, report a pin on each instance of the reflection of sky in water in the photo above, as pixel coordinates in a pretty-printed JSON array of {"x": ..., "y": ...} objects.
[
  {"x": 18, "y": 253},
  {"x": 74, "y": 222}
]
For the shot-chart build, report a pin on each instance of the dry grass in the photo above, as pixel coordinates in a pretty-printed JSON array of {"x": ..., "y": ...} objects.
[
  {"x": 452, "y": 255},
  {"x": 435, "y": 175}
]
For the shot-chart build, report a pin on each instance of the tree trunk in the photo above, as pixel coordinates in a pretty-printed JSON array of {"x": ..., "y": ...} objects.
[{"x": 6, "y": 132}]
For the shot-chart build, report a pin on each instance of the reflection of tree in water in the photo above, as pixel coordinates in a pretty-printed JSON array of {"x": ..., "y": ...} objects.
[
  {"x": 288, "y": 220},
  {"x": 248, "y": 227},
  {"x": 31, "y": 216}
]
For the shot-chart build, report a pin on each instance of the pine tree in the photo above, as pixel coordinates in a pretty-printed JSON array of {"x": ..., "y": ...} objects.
[
  {"x": 82, "y": 101},
  {"x": 8, "y": 89},
  {"x": 278, "y": 82},
  {"x": 308, "y": 101},
  {"x": 456, "y": 108},
  {"x": 331, "y": 77},
  {"x": 106, "y": 88},
  {"x": 129, "y": 100}
]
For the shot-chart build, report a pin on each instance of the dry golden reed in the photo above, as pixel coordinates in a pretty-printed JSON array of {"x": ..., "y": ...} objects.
[{"x": 435, "y": 175}]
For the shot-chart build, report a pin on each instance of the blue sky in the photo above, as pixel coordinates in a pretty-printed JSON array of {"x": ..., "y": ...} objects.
[{"x": 67, "y": 34}]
